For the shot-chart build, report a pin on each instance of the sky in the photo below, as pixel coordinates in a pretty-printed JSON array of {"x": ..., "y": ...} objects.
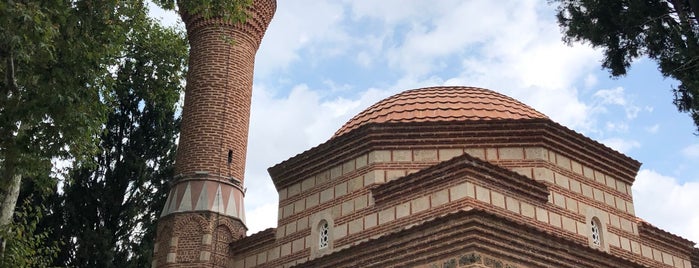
[{"x": 323, "y": 61}]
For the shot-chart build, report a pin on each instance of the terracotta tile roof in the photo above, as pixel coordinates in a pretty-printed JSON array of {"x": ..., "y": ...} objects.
[{"x": 442, "y": 104}]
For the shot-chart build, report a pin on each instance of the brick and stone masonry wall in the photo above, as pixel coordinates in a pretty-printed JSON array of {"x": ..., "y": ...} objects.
[{"x": 340, "y": 193}]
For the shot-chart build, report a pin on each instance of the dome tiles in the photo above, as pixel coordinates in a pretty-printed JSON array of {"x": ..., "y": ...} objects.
[{"x": 442, "y": 104}]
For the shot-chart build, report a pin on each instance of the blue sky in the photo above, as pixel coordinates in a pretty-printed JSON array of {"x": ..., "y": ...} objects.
[{"x": 323, "y": 61}]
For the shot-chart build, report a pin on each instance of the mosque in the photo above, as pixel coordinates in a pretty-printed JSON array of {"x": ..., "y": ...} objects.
[{"x": 434, "y": 177}]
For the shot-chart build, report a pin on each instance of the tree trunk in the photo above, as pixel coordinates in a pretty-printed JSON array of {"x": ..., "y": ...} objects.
[{"x": 8, "y": 201}]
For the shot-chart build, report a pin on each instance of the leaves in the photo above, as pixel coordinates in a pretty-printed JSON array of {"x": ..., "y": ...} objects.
[{"x": 665, "y": 31}]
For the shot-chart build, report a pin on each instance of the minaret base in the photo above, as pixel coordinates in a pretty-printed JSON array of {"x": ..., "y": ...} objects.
[{"x": 196, "y": 239}]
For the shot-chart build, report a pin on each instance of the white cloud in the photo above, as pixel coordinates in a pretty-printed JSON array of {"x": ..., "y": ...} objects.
[
  {"x": 668, "y": 204},
  {"x": 261, "y": 217},
  {"x": 621, "y": 145},
  {"x": 653, "y": 129},
  {"x": 691, "y": 151},
  {"x": 301, "y": 25},
  {"x": 617, "y": 96}
]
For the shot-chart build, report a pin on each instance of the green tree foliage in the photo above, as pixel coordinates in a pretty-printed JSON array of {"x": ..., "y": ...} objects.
[
  {"x": 110, "y": 209},
  {"x": 666, "y": 31},
  {"x": 54, "y": 59},
  {"x": 27, "y": 245},
  {"x": 229, "y": 10}
]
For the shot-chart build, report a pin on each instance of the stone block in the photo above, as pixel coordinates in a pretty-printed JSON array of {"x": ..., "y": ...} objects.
[
  {"x": 339, "y": 231},
  {"x": 402, "y": 156},
  {"x": 559, "y": 200},
  {"x": 524, "y": 171},
  {"x": 251, "y": 261},
  {"x": 348, "y": 167},
  {"x": 403, "y": 210},
  {"x": 511, "y": 153},
  {"x": 327, "y": 195},
  {"x": 387, "y": 215},
  {"x": 370, "y": 220},
  {"x": 282, "y": 194},
  {"x": 381, "y": 156},
  {"x": 446, "y": 154},
  {"x": 555, "y": 219},
  {"x": 536, "y": 153},
  {"x": 293, "y": 190},
  {"x": 667, "y": 258},
  {"x": 609, "y": 199},
  {"x": 308, "y": 183},
  {"x": 300, "y": 205},
  {"x": 335, "y": 172},
  {"x": 610, "y": 182},
  {"x": 302, "y": 223},
  {"x": 394, "y": 174},
  {"x": 273, "y": 254},
  {"x": 357, "y": 183},
  {"x": 482, "y": 194},
  {"x": 575, "y": 186},
  {"x": 347, "y": 207},
  {"x": 563, "y": 162},
  {"x": 171, "y": 257},
  {"x": 543, "y": 174},
  {"x": 356, "y": 226},
  {"x": 476, "y": 152},
  {"x": 261, "y": 257},
  {"x": 542, "y": 215},
  {"x": 298, "y": 245},
  {"x": 288, "y": 210},
  {"x": 635, "y": 247},
  {"x": 569, "y": 224},
  {"x": 576, "y": 167},
  {"x": 588, "y": 173},
  {"x": 322, "y": 177},
  {"x": 420, "y": 204},
  {"x": 599, "y": 196},
  {"x": 360, "y": 202},
  {"x": 286, "y": 249},
  {"x": 312, "y": 200},
  {"x": 599, "y": 177},
  {"x": 361, "y": 161},
  {"x": 439, "y": 198},
  {"x": 512, "y": 204},
  {"x": 491, "y": 154},
  {"x": 497, "y": 199},
  {"x": 461, "y": 191},
  {"x": 572, "y": 205},
  {"x": 587, "y": 190},
  {"x": 425, "y": 155},
  {"x": 340, "y": 189},
  {"x": 206, "y": 239},
  {"x": 562, "y": 180},
  {"x": 527, "y": 210}
]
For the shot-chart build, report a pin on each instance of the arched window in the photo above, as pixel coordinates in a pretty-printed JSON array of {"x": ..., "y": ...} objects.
[
  {"x": 595, "y": 232},
  {"x": 323, "y": 235}
]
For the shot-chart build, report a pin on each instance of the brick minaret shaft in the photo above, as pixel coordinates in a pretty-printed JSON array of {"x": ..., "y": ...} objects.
[{"x": 204, "y": 210}]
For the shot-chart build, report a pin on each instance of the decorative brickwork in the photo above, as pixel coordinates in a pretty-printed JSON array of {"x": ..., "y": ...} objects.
[{"x": 204, "y": 212}]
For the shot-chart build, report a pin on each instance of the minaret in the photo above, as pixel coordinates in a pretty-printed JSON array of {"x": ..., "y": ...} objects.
[{"x": 204, "y": 210}]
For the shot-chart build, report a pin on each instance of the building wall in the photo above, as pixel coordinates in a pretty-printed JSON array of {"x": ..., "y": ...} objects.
[{"x": 342, "y": 196}]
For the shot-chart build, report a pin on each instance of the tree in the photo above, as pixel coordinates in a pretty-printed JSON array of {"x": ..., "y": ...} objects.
[
  {"x": 110, "y": 208},
  {"x": 55, "y": 57},
  {"x": 666, "y": 31}
]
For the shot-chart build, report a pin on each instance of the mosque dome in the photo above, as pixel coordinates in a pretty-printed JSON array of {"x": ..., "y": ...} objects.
[{"x": 445, "y": 103}]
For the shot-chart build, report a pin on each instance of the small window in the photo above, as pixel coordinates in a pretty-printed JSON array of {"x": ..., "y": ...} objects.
[
  {"x": 323, "y": 235},
  {"x": 595, "y": 234}
]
